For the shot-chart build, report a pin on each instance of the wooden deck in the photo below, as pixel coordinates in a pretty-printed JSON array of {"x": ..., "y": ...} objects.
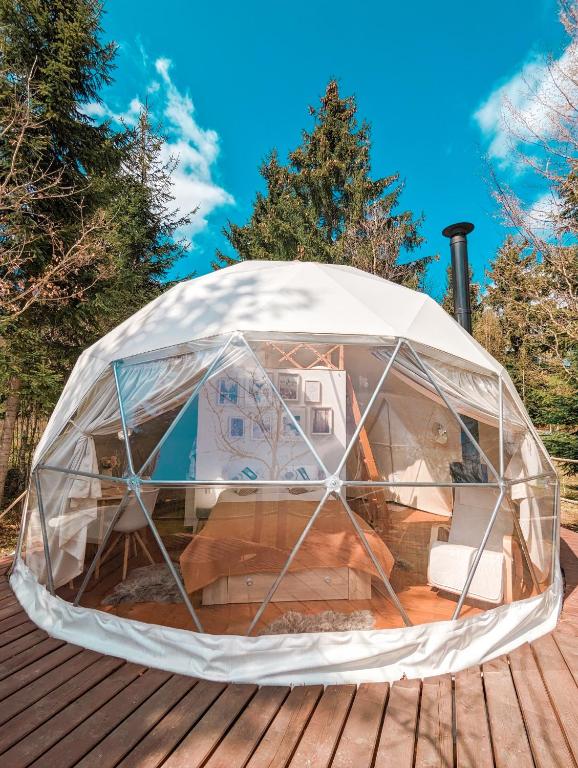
[{"x": 61, "y": 705}]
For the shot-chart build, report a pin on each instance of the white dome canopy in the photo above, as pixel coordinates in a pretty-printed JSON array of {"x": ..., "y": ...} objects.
[
  {"x": 273, "y": 439},
  {"x": 290, "y": 297},
  {"x": 274, "y": 297}
]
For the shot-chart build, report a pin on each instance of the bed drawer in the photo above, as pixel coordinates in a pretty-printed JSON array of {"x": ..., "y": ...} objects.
[{"x": 312, "y": 584}]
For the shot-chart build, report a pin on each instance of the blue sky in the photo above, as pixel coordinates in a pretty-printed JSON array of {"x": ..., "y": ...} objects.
[{"x": 233, "y": 80}]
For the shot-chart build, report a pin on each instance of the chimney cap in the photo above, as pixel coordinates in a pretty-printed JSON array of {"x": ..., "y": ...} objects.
[{"x": 461, "y": 228}]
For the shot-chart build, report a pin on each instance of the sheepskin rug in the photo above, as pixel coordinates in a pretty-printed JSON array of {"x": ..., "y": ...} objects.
[
  {"x": 293, "y": 622},
  {"x": 149, "y": 584}
]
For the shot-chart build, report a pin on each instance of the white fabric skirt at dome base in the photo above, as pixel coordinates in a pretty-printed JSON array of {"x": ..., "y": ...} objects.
[{"x": 382, "y": 655}]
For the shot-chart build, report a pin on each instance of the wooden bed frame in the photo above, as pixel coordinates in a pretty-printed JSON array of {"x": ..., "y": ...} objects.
[{"x": 313, "y": 584}]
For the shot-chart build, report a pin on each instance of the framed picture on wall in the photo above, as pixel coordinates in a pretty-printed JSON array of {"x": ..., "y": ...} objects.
[
  {"x": 236, "y": 427},
  {"x": 288, "y": 386},
  {"x": 312, "y": 391},
  {"x": 227, "y": 391},
  {"x": 322, "y": 421},
  {"x": 289, "y": 429}
]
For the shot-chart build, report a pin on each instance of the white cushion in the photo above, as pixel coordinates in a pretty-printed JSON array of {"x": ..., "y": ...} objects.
[
  {"x": 473, "y": 507},
  {"x": 449, "y": 565}
]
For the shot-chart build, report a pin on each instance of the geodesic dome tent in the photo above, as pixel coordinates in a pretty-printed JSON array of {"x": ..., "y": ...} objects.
[{"x": 291, "y": 473}]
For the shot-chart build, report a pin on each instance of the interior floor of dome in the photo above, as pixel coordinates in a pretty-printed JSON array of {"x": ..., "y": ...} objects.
[{"x": 421, "y": 603}]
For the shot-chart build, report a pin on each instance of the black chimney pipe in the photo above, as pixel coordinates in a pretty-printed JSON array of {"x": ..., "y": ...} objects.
[
  {"x": 458, "y": 234},
  {"x": 470, "y": 469}
]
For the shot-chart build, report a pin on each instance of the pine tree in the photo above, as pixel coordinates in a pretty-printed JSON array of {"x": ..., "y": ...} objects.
[
  {"x": 52, "y": 63},
  {"x": 535, "y": 332},
  {"x": 324, "y": 206}
]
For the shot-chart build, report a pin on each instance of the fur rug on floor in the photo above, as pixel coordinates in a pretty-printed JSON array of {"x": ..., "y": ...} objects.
[
  {"x": 149, "y": 584},
  {"x": 294, "y": 622}
]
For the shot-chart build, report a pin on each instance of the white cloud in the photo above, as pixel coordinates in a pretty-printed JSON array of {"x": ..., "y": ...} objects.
[
  {"x": 196, "y": 149},
  {"x": 101, "y": 111},
  {"x": 527, "y": 105},
  {"x": 95, "y": 110},
  {"x": 542, "y": 214}
]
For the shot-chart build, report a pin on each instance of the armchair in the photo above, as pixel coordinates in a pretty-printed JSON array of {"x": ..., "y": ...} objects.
[{"x": 450, "y": 560}]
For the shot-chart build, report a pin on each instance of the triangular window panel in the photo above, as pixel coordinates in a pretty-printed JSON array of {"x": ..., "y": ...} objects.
[
  {"x": 331, "y": 383},
  {"x": 78, "y": 511},
  {"x": 135, "y": 572},
  {"x": 524, "y": 456},
  {"x": 515, "y": 562},
  {"x": 236, "y": 427},
  {"x": 334, "y": 581},
  {"x": 92, "y": 440},
  {"x": 411, "y": 435},
  {"x": 154, "y": 393},
  {"x": 416, "y": 524}
]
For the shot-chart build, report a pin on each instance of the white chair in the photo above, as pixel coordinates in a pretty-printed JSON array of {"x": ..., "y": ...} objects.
[
  {"x": 128, "y": 526},
  {"x": 450, "y": 561}
]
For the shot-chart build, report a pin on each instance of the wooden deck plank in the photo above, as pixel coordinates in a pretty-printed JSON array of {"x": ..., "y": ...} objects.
[
  {"x": 473, "y": 743},
  {"x": 15, "y": 632},
  {"x": 7, "y": 598},
  {"x": 34, "y": 691},
  {"x": 25, "y": 658},
  {"x": 158, "y": 744},
  {"x": 119, "y": 742},
  {"x": 569, "y": 649},
  {"x": 70, "y": 749},
  {"x": 511, "y": 745},
  {"x": 200, "y": 742},
  {"x": 35, "y": 670},
  {"x": 546, "y": 738},
  {"x": 561, "y": 687},
  {"x": 278, "y": 744},
  {"x": 434, "y": 736},
  {"x": 22, "y": 644},
  {"x": 358, "y": 741},
  {"x": 240, "y": 742},
  {"x": 13, "y": 621},
  {"x": 323, "y": 731},
  {"x": 10, "y": 610},
  {"x": 58, "y": 705},
  {"x": 398, "y": 734}
]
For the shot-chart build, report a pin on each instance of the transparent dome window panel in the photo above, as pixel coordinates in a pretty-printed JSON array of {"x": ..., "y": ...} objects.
[
  {"x": 329, "y": 382},
  {"x": 243, "y": 537},
  {"x": 236, "y": 427},
  {"x": 335, "y": 581},
  {"x": 410, "y": 434},
  {"x": 78, "y": 512},
  {"x": 516, "y": 561},
  {"x": 133, "y": 579},
  {"x": 474, "y": 395},
  {"x": 434, "y": 535},
  {"x": 524, "y": 455},
  {"x": 534, "y": 509},
  {"x": 93, "y": 439},
  {"x": 154, "y": 393}
]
